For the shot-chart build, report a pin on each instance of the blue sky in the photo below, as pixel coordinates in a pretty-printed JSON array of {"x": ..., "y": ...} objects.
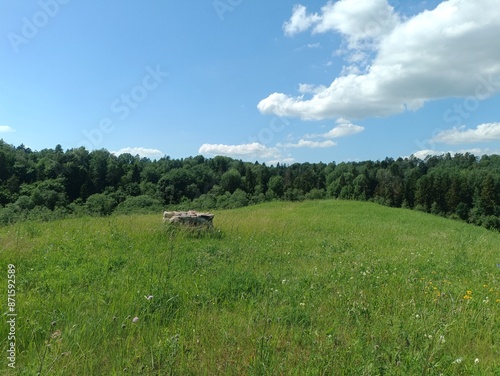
[{"x": 284, "y": 81}]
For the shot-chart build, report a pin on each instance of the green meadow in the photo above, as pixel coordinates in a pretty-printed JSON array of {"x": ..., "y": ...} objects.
[{"x": 312, "y": 288}]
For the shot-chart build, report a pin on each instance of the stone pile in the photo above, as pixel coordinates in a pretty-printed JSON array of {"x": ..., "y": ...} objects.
[{"x": 190, "y": 218}]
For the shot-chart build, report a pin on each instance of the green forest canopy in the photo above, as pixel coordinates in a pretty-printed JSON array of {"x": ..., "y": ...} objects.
[{"x": 54, "y": 183}]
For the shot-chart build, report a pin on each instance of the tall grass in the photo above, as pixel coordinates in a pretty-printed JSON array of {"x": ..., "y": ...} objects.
[{"x": 311, "y": 288}]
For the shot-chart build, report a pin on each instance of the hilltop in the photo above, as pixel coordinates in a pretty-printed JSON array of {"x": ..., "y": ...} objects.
[
  {"x": 316, "y": 287},
  {"x": 53, "y": 184}
]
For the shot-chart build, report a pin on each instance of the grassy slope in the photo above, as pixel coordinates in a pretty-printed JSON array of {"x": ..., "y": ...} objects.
[{"x": 323, "y": 287}]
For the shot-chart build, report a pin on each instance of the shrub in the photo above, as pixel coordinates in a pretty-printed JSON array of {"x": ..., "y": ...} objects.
[
  {"x": 294, "y": 194},
  {"x": 100, "y": 204},
  {"x": 11, "y": 214},
  {"x": 25, "y": 203},
  {"x": 316, "y": 194},
  {"x": 139, "y": 204},
  {"x": 490, "y": 222}
]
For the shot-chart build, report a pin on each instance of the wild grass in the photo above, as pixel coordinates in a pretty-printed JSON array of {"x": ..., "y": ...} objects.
[{"x": 311, "y": 288}]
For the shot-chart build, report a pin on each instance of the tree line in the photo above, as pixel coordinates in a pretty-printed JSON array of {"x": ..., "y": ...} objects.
[{"x": 53, "y": 183}]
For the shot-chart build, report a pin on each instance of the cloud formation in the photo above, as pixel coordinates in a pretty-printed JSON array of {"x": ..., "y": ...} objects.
[
  {"x": 6, "y": 129},
  {"x": 282, "y": 161},
  {"x": 309, "y": 144},
  {"x": 361, "y": 22},
  {"x": 482, "y": 133},
  {"x": 422, "y": 154},
  {"x": 299, "y": 21},
  {"x": 254, "y": 149},
  {"x": 142, "y": 152},
  {"x": 395, "y": 64},
  {"x": 277, "y": 153},
  {"x": 344, "y": 128}
]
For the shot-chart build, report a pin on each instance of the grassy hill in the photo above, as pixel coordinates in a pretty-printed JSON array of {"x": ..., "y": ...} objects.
[{"x": 311, "y": 288}]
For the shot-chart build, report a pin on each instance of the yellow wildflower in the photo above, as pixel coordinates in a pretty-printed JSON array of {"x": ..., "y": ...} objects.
[{"x": 468, "y": 295}]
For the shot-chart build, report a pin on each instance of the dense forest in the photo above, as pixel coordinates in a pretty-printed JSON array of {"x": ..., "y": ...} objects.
[{"x": 53, "y": 183}]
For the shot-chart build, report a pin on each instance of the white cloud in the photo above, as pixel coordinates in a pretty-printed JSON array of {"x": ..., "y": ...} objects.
[
  {"x": 309, "y": 144},
  {"x": 355, "y": 19},
  {"x": 358, "y": 20},
  {"x": 142, "y": 152},
  {"x": 6, "y": 129},
  {"x": 344, "y": 128},
  {"x": 422, "y": 154},
  {"x": 313, "y": 45},
  {"x": 449, "y": 51},
  {"x": 238, "y": 151},
  {"x": 299, "y": 21},
  {"x": 287, "y": 161},
  {"x": 308, "y": 88},
  {"x": 358, "y": 57},
  {"x": 308, "y": 46},
  {"x": 482, "y": 133}
]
